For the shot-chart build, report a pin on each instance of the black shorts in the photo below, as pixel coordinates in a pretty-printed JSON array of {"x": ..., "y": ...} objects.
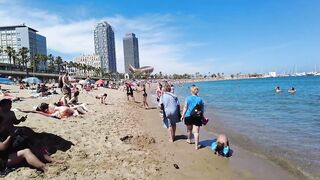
[
  {"x": 145, "y": 94},
  {"x": 192, "y": 121},
  {"x": 130, "y": 94}
]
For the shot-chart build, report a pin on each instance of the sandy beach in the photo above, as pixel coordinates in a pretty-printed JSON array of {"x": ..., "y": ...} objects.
[{"x": 122, "y": 140}]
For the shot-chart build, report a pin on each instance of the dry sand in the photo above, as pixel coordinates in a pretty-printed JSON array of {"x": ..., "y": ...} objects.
[{"x": 91, "y": 145}]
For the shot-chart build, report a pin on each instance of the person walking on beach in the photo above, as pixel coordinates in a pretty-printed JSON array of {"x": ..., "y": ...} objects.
[
  {"x": 145, "y": 95},
  {"x": 192, "y": 115},
  {"x": 129, "y": 91},
  {"x": 66, "y": 85},
  {"x": 159, "y": 91},
  {"x": 60, "y": 82},
  {"x": 170, "y": 107}
]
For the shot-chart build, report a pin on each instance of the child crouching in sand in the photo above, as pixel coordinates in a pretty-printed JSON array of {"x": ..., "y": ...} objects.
[
  {"x": 221, "y": 146},
  {"x": 103, "y": 98}
]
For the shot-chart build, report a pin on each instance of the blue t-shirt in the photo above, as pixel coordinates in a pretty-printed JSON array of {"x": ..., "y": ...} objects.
[{"x": 191, "y": 102}]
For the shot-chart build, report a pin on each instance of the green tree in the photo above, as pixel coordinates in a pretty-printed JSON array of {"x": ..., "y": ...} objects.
[
  {"x": 23, "y": 52},
  {"x": 14, "y": 57},
  {"x": 58, "y": 62},
  {"x": 50, "y": 63},
  {"x": 35, "y": 61},
  {"x": 9, "y": 51}
]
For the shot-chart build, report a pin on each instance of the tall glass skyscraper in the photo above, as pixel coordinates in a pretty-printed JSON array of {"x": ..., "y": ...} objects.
[
  {"x": 131, "y": 51},
  {"x": 104, "y": 45}
]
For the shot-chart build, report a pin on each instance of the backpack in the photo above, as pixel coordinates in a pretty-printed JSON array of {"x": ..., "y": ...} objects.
[{"x": 197, "y": 112}]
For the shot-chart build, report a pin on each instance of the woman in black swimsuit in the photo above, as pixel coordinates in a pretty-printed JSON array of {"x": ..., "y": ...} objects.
[{"x": 145, "y": 103}]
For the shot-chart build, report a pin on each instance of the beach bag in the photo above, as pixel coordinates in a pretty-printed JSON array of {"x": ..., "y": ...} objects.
[{"x": 204, "y": 121}]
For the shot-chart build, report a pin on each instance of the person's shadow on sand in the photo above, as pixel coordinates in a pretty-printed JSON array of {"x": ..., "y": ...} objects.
[
  {"x": 51, "y": 142},
  {"x": 180, "y": 137}
]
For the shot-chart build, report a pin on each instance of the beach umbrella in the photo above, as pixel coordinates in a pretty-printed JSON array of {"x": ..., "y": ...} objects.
[
  {"x": 82, "y": 82},
  {"x": 100, "y": 81},
  {"x": 6, "y": 81},
  {"x": 90, "y": 81},
  {"x": 32, "y": 80}
]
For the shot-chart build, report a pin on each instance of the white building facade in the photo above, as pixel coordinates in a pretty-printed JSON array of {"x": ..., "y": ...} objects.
[{"x": 89, "y": 60}]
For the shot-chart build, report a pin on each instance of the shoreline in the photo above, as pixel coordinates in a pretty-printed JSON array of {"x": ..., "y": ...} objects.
[
  {"x": 216, "y": 126},
  {"x": 145, "y": 153},
  {"x": 242, "y": 165}
]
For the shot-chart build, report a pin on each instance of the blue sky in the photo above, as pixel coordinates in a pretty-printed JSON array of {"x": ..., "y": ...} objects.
[{"x": 178, "y": 36}]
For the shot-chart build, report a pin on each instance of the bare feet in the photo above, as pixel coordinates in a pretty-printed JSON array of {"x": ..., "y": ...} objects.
[
  {"x": 189, "y": 141},
  {"x": 198, "y": 147}
]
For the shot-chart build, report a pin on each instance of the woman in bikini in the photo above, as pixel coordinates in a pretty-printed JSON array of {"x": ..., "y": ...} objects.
[
  {"x": 59, "y": 112},
  {"x": 145, "y": 103}
]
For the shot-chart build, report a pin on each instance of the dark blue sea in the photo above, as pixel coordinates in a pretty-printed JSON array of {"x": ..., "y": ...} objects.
[{"x": 282, "y": 127}]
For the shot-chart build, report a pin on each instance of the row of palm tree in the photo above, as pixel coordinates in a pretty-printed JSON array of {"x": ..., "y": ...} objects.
[{"x": 20, "y": 60}]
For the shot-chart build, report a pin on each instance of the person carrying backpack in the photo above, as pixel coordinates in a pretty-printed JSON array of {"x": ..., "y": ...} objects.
[{"x": 193, "y": 114}]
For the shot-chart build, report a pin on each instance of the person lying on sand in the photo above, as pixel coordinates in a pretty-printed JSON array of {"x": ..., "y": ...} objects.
[
  {"x": 102, "y": 97},
  {"x": 59, "y": 112},
  {"x": 6, "y": 95},
  {"x": 11, "y": 157},
  {"x": 221, "y": 146}
]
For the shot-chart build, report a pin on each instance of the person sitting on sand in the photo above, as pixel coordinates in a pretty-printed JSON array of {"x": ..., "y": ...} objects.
[
  {"x": 170, "y": 107},
  {"x": 74, "y": 100},
  {"x": 9, "y": 117},
  {"x": 102, "y": 97},
  {"x": 292, "y": 90},
  {"x": 221, "y": 146},
  {"x": 59, "y": 112},
  {"x": 11, "y": 157}
]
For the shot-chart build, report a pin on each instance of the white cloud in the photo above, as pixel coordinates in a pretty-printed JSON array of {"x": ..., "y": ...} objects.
[{"x": 157, "y": 36}]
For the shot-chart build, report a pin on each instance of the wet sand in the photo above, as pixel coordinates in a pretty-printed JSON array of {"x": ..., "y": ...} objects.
[{"x": 122, "y": 140}]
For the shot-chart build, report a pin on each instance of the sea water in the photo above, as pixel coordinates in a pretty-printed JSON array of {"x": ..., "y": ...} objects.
[{"x": 283, "y": 127}]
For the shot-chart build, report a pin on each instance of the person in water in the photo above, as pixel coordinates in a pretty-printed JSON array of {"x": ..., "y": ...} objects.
[
  {"x": 221, "y": 146},
  {"x": 277, "y": 89},
  {"x": 292, "y": 90}
]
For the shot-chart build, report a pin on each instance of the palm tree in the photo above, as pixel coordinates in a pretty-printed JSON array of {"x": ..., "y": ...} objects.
[
  {"x": 44, "y": 60},
  {"x": 9, "y": 52},
  {"x": 23, "y": 52},
  {"x": 14, "y": 57},
  {"x": 58, "y": 61},
  {"x": 51, "y": 63},
  {"x": 35, "y": 61}
]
